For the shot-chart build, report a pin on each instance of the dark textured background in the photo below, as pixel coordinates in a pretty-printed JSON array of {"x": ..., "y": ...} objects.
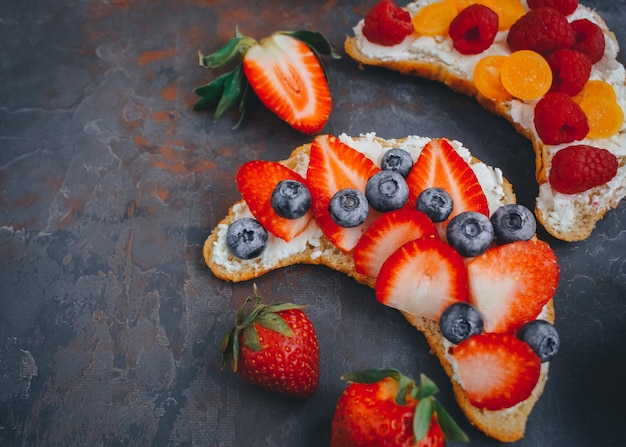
[{"x": 110, "y": 323}]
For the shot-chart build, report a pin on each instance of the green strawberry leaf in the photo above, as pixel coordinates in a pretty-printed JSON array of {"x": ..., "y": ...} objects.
[
  {"x": 233, "y": 90},
  {"x": 316, "y": 41},
  {"x": 234, "y": 49},
  {"x": 251, "y": 337},
  {"x": 427, "y": 388},
  {"x": 371, "y": 375},
  {"x": 211, "y": 93},
  {"x": 274, "y": 322},
  {"x": 421, "y": 418},
  {"x": 450, "y": 428}
]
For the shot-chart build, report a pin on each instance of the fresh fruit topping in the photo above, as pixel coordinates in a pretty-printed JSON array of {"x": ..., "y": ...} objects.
[
  {"x": 283, "y": 70},
  {"x": 422, "y": 277},
  {"x": 513, "y": 222},
  {"x": 570, "y": 71},
  {"x": 246, "y": 238},
  {"x": 474, "y": 29},
  {"x": 436, "y": 203},
  {"x": 509, "y": 11},
  {"x": 565, "y": 7},
  {"x": 487, "y": 78},
  {"x": 257, "y": 180},
  {"x": 526, "y": 75},
  {"x": 385, "y": 407},
  {"x": 275, "y": 347},
  {"x": 434, "y": 19},
  {"x": 388, "y": 233},
  {"x": 510, "y": 283},
  {"x": 496, "y": 371},
  {"x": 605, "y": 117},
  {"x": 580, "y": 167},
  {"x": 543, "y": 30},
  {"x": 333, "y": 166},
  {"x": 387, "y": 24},
  {"x": 291, "y": 199},
  {"x": 470, "y": 233},
  {"x": 542, "y": 338},
  {"x": 397, "y": 159},
  {"x": 440, "y": 166},
  {"x": 589, "y": 39},
  {"x": 558, "y": 119},
  {"x": 386, "y": 191},
  {"x": 348, "y": 208},
  {"x": 598, "y": 89},
  {"x": 459, "y": 321}
]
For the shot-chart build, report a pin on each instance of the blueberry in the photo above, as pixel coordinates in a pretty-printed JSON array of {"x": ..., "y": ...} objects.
[
  {"x": 470, "y": 233},
  {"x": 542, "y": 338},
  {"x": 386, "y": 191},
  {"x": 513, "y": 223},
  {"x": 246, "y": 238},
  {"x": 459, "y": 321},
  {"x": 291, "y": 199},
  {"x": 398, "y": 160},
  {"x": 436, "y": 203},
  {"x": 348, "y": 208}
]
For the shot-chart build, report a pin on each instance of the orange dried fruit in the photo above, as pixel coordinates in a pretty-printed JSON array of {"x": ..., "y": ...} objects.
[
  {"x": 598, "y": 89},
  {"x": 605, "y": 118},
  {"x": 487, "y": 78},
  {"x": 434, "y": 19},
  {"x": 526, "y": 75}
]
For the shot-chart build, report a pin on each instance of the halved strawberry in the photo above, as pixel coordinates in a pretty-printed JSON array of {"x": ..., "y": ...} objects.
[
  {"x": 288, "y": 78},
  {"x": 440, "y": 166},
  {"x": 256, "y": 181},
  {"x": 388, "y": 233},
  {"x": 333, "y": 166},
  {"x": 511, "y": 283},
  {"x": 496, "y": 370},
  {"x": 422, "y": 277}
]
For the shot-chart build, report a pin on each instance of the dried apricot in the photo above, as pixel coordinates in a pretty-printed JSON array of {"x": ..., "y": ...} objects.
[
  {"x": 434, "y": 19},
  {"x": 526, "y": 75},
  {"x": 605, "y": 118},
  {"x": 487, "y": 78}
]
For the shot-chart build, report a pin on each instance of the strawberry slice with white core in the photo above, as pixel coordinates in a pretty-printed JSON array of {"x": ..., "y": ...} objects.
[
  {"x": 388, "y": 233},
  {"x": 422, "y": 277},
  {"x": 256, "y": 181},
  {"x": 497, "y": 371},
  {"x": 439, "y": 165},
  {"x": 510, "y": 283},
  {"x": 333, "y": 166},
  {"x": 287, "y": 77}
]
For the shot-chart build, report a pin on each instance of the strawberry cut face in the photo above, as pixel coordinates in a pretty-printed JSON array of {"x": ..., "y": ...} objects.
[
  {"x": 422, "y": 277},
  {"x": 256, "y": 181},
  {"x": 511, "y": 283},
  {"x": 288, "y": 78},
  {"x": 333, "y": 166},
  {"x": 440, "y": 166}
]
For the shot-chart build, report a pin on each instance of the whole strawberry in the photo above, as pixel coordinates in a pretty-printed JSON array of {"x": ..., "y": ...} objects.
[
  {"x": 275, "y": 347},
  {"x": 385, "y": 407}
]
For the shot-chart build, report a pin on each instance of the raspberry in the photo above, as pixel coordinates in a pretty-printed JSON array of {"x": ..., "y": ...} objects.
[
  {"x": 543, "y": 30},
  {"x": 387, "y": 24},
  {"x": 558, "y": 119},
  {"x": 565, "y": 7},
  {"x": 570, "y": 71},
  {"x": 589, "y": 39},
  {"x": 474, "y": 29},
  {"x": 581, "y": 167}
]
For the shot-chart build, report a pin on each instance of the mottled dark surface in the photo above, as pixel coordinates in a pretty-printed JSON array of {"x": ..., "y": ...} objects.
[{"x": 110, "y": 323}]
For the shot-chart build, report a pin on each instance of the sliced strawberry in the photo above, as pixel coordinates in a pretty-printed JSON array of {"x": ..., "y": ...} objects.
[
  {"x": 440, "y": 166},
  {"x": 333, "y": 166},
  {"x": 496, "y": 370},
  {"x": 422, "y": 277},
  {"x": 511, "y": 283},
  {"x": 388, "y": 233},
  {"x": 287, "y": 77},
  {"x": 256, "y": 181}
]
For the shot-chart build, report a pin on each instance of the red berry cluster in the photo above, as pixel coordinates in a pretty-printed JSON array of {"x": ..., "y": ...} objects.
[
  {"x": 580, "y": 167},
  {"x": 387, "y": 24},
  {"x": 565, "y": 7},
  {"x": 474, "y": 29}
]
